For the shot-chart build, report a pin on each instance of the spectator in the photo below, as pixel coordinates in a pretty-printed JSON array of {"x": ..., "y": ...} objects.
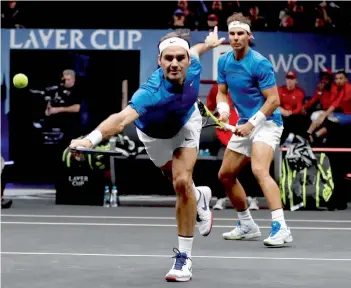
[
  {"x": 11, "y": 16},
  {"x": 291, "y": 102},
  {"x": 338, "y": 113},
  {"x": 178, "y": 19},
  {"x": 189, "y": 15},
  {"x": 218, "y": 10},
  {"x": 322, "y": 21},
  {"x": 212, "y": 21},
  {"x": 287, "y": 22},
  {"x": 292, "y": 17},
  {"x": 322, "y": 94},
  {"x": 257, "y": 22}
]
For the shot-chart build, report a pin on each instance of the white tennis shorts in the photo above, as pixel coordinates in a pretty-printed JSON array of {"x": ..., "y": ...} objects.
[
  {"x": 315, "y": 115},
  {"x": 161, "y": 151},
  {"x": 268, "y": 132}
]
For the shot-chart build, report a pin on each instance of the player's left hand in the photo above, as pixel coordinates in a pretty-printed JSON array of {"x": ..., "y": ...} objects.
[
  {"x": 244, "y": 130},
  {"x": 212, "y": 40}
]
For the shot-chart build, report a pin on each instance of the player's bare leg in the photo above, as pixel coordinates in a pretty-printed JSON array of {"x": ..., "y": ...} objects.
[
  {"x": 182, "y": 170},
  {"x": 203, "y": 195},
  {"x": 261, "y": 159},
  {"x": 231, "y": 166}
]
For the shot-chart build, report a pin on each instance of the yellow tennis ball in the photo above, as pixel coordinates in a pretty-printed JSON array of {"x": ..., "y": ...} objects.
[{"x": 20, "y": 80}]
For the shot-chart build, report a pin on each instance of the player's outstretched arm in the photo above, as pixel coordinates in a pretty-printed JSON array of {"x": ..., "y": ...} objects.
[
  {"x": 113, "y": 125},
  {"x": 211, "y": 42}
]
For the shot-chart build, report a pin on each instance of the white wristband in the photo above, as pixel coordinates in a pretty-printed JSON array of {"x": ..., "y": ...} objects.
[
  {"x": 94, "y": 137},
  {"x": 223, "y": 108},
  {"x": 257, "y": 119}
]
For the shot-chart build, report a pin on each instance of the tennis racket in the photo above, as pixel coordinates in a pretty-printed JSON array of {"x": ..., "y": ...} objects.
[
  {"x": 205, "y": 112},
  {"x": 115, "y": 152}
]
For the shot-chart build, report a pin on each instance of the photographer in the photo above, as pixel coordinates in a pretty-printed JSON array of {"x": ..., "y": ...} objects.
[{"x": 63, "y": 109}]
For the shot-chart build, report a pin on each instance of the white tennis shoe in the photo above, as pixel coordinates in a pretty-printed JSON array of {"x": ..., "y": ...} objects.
[
  {"x": 204, "y": 217},
  {"x": 182, "y": 268},
  {"x": 280, "y": 235},
  {"x": 241, "y": 232}
]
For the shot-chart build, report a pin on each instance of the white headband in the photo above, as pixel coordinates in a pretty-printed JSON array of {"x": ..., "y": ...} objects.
[
  {"x": 175, "y": 41},
  {"x": 238, "y": 24}
]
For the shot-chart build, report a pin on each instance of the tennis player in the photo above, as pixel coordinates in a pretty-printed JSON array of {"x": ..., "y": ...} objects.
[
  {"x": 251, "y": 82},
  {"x": 169, "y": 124}
]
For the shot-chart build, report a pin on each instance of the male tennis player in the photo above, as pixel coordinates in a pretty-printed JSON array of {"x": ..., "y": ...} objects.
[
  {"x": 251, "y": 82},
  {"x": 169, "y": 124}
]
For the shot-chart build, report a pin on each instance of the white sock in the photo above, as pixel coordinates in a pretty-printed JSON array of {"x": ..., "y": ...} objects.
[
  {"x": 185, "y": 245},
  {"x": 245, "y": 218},
  {"x": 278, "y": 215},
  {"x": 197, "y": 193}
]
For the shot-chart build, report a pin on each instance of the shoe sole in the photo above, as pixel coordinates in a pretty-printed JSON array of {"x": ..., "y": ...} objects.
[
  {"x": 245, "y": 237},
  {"x": 175, "y": 279},
  {"x": 279, "y": 244},
  {"x": 208, "y": 205},
  {"x": 209, "y": 232}
]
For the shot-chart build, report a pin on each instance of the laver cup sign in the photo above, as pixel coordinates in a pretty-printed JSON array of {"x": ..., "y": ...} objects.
[
  {"x": 76, "y": 39},
  {"x": 78, "y": 180}
]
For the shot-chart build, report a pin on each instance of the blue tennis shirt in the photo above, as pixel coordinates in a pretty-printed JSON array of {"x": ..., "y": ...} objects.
[
  {"x": 163, "y": 108},
  {"x": 246, "y": 78}
]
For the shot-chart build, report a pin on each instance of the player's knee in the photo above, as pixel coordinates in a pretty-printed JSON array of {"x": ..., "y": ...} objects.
[
  {"x": 181, "y": 182},
  {"x": 259, "y": 171},
  {"x": 226, "y": 177}
]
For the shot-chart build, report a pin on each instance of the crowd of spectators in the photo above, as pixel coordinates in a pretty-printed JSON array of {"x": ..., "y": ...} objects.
[
  {"x": 324, "y": 16},
  {"x": 315, "y": 16},
  {"x": 322, "y": 118}
]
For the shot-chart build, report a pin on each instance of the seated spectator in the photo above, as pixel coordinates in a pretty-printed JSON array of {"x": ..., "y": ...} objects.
[
  {"x": 178, "y": 19},
  {"x": 323, "y": 22},
  {"x": 292, "y": 17},
  {"x": 291, "y": 101},
  {"x": 212, "y": 21},
  {"x": 338, "y": 113},
  {"x": 321, "y": 97},
  {"x": 11, "y": 15},
  {"x": 257, "y": 22},
  {"x": 188, "y": 14},
  {"x": 286, "y": 23},
  {"x": 216, "y": 8}
]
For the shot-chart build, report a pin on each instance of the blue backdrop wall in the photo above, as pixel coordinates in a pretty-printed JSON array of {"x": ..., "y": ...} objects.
[{"x": 306, "y": 54}]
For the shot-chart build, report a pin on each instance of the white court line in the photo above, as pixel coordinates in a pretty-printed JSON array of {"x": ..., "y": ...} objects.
[
  {"x": 155, "y": 225},
  {"x": 161, "y": 218},
  {"x": 169, "y": 256}
]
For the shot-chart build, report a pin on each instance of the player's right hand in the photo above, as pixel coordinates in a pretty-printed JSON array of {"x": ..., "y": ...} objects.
[
  {"x": 85, "y": 143},
  {"x": 224, "y": 118}
]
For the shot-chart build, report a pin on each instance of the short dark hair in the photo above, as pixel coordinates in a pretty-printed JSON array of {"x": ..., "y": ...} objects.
[{"x": 341, "y": 72}]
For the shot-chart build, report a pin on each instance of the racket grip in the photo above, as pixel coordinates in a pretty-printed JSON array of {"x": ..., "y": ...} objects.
[{"x": 229, "y": 127}]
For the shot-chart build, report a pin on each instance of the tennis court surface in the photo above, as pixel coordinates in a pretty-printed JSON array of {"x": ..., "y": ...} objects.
[{"x": 45, "y": 245}]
